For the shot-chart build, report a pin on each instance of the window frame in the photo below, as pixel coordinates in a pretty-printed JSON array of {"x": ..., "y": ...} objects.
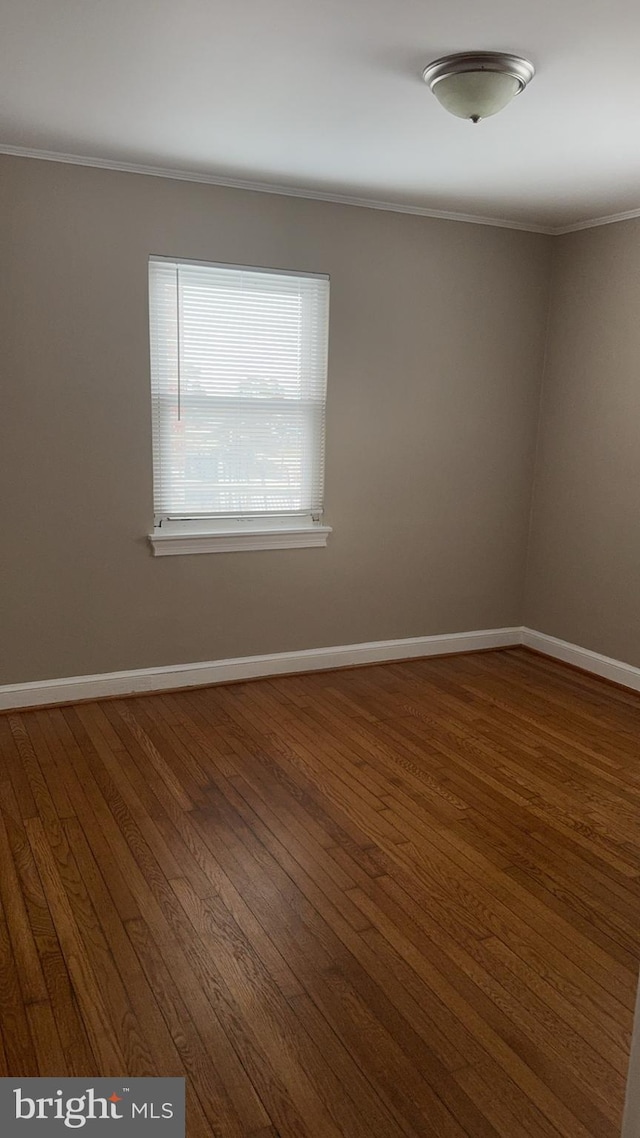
[{"x": 174, "y": 535}]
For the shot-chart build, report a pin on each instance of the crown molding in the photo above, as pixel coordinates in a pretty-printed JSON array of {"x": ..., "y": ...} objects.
[
  {"x": 269, "y": 188},
  {"x": 595, "y": 222},
  {"x": 310, "y": 194}
]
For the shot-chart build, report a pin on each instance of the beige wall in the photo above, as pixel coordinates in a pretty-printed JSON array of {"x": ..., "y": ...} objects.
[
  {"x": 437, "y": 333},
  {"x": 584, "y": 565}
]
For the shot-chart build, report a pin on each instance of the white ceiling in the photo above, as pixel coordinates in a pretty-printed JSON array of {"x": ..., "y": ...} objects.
[{"x": 326, "y": 96}]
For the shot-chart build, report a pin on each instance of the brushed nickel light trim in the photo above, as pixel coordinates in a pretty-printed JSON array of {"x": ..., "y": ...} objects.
[{"x": 498, "y": 62}]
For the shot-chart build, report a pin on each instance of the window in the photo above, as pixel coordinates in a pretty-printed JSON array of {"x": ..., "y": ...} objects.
[{"x": 238, "y": 378}]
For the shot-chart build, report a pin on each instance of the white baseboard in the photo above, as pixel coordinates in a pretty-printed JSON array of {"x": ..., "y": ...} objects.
[
  {"x": 604, "y": 666},
  {"x": 249, "y": 667},
  {"x": 74, "y": 688}
]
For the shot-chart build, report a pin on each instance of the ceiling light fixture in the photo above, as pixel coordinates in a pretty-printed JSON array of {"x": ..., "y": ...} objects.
[{"x": 474, "y": 85}]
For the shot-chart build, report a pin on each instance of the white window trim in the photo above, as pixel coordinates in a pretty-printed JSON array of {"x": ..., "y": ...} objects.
[
  {"x": 235, "y": 535},
  {"x": 225, "y": 534}
]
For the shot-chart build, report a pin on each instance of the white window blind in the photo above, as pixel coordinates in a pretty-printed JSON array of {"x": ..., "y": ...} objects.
[{"x": 238, "y": 374}]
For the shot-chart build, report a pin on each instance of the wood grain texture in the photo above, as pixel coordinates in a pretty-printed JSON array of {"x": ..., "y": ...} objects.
[{"x": 397, "y": 901}]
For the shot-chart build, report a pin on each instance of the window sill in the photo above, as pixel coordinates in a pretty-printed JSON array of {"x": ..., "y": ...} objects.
[{"x": 170, "y": 544}]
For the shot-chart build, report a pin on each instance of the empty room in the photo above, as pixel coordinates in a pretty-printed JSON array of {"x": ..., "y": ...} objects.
[{"x": 319, "y": 585}]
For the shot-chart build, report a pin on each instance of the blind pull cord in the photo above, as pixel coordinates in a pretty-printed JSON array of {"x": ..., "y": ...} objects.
[{"x": 179, "y": 341}]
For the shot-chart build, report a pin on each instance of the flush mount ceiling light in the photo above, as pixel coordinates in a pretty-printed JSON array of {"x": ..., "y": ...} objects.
[{"x": 474, "y": 85}]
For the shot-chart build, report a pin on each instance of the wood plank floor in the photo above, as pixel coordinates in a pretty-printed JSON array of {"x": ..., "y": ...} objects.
[{"x": 394, "y": 901}]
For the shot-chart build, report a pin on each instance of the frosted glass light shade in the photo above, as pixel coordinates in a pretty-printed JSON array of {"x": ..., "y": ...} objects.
[
  {"x": 475, "y": 85},
  {"x": 476, "y": 95}
]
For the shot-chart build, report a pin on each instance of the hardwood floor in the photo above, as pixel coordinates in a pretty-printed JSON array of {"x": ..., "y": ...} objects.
[{"x": 394, "y": 901}]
